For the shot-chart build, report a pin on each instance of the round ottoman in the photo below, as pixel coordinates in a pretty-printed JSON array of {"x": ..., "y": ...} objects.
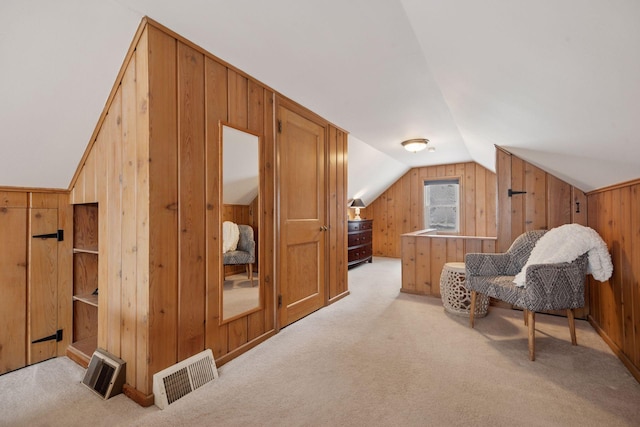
[{"x": 456, "y": 299}]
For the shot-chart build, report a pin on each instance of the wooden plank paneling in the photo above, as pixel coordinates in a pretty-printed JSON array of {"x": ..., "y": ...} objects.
[
  {"x": 65, "y": 272},
  {"x": 216, "y": 109},
  {"x": 128, "y": 212},
  {"x": 517, "y": 212},
  {"x": 535, "y": 201},
  {"x": 409, "y": 263},
  {"x": 578, "y": 206},
  {"x": 255, "y": 123},
  {"x": 102, "y": 170},
  {"x": 615, "y": 304},
  {"x": 332, "y": 244},
  {"x": 238, "y": 104},
  {"x": 13, "y": 199},
  {"x": 626, "y": 273},
  {"x": 416, "y": 209},
  {"x": 191, "y": 250},
  {"x": 13, "y": 283},
  {"x": 400, "y": 208},
  {"x": 268, "y": 194},
  {"x": 424, "y": 256},
  {"x": 423, "y": 267},
  {"x": 163, "y": 206},
  {"x": 558, "y": 202},
  {"x": 113, "y": 129},
  {"x": 634, "y": 259},
  {"x": 503, "y": 214},
  {"x": 154, "y": 171},
  {"x": 43, "y": 283},
  {"x": 140, "y": 377}
]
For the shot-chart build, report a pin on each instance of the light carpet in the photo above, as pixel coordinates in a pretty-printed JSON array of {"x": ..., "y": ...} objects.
[{"x": 376, "y": 358}]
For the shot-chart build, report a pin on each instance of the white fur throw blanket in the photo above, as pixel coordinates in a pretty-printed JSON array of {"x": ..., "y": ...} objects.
[
  {"x": 230, "y": 236},
  {"x": 565, "y": 244}
]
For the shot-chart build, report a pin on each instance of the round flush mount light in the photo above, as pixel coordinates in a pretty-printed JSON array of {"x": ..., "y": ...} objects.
[{"x": 415, "y": 145}]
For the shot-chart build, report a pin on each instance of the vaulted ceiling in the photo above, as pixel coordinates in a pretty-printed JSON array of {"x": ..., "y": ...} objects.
[{"x": 554, "y": 82}]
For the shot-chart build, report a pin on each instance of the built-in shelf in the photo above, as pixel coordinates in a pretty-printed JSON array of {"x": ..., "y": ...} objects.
[
  {"x": 81, "y": 351},
  {"x": 90, "y": 299},
  {"x": 85, "y": 282},
  {"x": 85, "y": 251}
]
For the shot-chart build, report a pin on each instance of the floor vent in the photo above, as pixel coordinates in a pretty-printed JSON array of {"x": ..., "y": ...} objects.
[
  {"x": 182, "y": 378},
  {"x": 105, "y": 374}
]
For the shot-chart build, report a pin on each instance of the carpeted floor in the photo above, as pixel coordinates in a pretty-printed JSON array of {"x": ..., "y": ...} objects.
[{"x": 375, "y": 358}]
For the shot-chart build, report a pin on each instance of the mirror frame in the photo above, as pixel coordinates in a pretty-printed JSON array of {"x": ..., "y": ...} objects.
[{"x": 260, "y": 305}]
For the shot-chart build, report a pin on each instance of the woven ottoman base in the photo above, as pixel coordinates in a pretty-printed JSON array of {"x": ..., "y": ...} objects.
[{"x": 456, "y": 298}]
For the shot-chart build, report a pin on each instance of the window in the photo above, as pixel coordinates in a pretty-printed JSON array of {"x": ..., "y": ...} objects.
[{"x": 442, "y": 205}]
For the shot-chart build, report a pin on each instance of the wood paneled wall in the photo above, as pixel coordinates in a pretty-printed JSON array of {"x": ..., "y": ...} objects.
[
  {"x": 400, "y": 209},
  {"x": 615, "y": 304},
  {"x": 154, "y": 171},
  {"x": 547, "y": 203},
  {"x": 424, "y": 255},
  {"x": 336, "y": 179}
]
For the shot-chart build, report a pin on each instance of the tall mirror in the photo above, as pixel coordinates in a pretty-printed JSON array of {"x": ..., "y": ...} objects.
[{"x": 240, "y": 293}]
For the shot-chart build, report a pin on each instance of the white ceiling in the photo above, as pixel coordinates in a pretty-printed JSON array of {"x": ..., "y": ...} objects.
[{"x": 555, "y": 82}]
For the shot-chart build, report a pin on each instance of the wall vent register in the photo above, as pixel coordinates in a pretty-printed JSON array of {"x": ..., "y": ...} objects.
[{"x": 182, "y": 378}]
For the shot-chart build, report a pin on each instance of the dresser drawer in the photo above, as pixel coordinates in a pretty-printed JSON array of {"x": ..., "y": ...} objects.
[
  {"x": 360, "y": 253},
  {"x": 360, "y": 238},
  {"x": 360, "y": 225}
]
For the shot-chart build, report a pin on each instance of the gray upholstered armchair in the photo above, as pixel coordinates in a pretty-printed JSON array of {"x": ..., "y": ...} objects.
[
  {"x": 245, "y": 252},
  {"x": 548, "y": 286}
]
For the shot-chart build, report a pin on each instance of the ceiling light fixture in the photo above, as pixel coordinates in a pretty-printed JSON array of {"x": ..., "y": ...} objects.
[{"x": 415, "y": 145}]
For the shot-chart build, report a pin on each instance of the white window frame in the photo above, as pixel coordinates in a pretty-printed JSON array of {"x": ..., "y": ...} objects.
[{"x": 427, "y": 205}]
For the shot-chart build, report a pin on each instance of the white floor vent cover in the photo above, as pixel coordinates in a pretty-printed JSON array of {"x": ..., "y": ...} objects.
[{"x": 182, "y": 378}]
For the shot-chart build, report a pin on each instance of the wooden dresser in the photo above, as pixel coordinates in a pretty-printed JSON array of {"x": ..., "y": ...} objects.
[{"x": 359, "y": 241}]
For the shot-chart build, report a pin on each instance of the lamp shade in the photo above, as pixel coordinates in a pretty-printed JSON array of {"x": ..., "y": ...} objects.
[{"x": 356, "y": 203}]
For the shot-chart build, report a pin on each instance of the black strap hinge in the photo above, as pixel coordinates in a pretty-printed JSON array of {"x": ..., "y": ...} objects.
[
  {"x": 57, "y": 336},
  {"x": 512, "y": 192},
  {"x": 57, "y": 235}
]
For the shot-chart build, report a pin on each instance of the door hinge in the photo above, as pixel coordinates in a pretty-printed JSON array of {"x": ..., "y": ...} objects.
[
  {"x": 57, "y": 235},
  {"x": 512, "y": 192},
  {"x": 279, "y": 126},
  {"x": 57, "y": 336},
  {"x": 279, "y": 301}
]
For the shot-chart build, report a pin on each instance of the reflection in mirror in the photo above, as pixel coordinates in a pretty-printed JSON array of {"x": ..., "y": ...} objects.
[{"x": 240, "y": 292}]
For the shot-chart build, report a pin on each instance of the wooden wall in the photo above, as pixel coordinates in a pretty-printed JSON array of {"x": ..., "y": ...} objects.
[
  {"x": 547, "y": 203},
  {"x": 336, "y": 181},
  {"x": 615, "y": 304},
  {"x": 154, "y": 171},
  {"x": 115, "y": 174},
  {"x": 400, "y": 209},
  {"x": 424, "y": 255}
]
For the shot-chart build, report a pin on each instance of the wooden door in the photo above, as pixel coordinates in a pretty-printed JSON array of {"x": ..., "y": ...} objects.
[
  {"x": 43, "y": 285},
  {"x": 301, "y": 147},
  {"x": 13, "y": 288}
]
